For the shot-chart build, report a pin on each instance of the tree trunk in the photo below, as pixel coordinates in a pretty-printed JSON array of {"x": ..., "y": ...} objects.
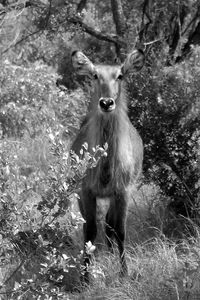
[
  {"x": 193, "y": 39},
  {"x": 120, "y": 24},
  {"x": 147, "y": 5},
  {"x": 176, "y": 24},
  {"x": 118, "y": 17}
]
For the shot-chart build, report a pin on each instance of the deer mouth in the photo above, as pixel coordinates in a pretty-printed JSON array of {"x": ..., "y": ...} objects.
[{"x": 109, "y": 109}]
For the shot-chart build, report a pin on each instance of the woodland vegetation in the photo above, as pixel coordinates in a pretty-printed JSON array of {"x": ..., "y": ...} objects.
[{"x": 42, "y": 103}]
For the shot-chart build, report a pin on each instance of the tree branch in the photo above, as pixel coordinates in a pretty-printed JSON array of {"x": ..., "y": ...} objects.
[
  {"x": 118, "y": 17},
  {"x": 194, "y": 19},
  {"x": 96, "y": 33},
  {"x": 20, "y": 41},
  {"x": 120, "y": 24},
  {"x": 118, "y": 41},
  {"x": 193, "y": 39},
  {"x": 176, "y": 23},
  {"x": 49, "y": 13},
  {"x": 145, "y": 13}
]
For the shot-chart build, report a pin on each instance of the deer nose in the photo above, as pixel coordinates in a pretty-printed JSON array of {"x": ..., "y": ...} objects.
[{"x": 107, "y": 104}]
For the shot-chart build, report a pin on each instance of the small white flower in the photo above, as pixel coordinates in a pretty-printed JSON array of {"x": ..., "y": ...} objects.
[
  {"x": 65, "y": 256},
  {"x": 51, "y": 136},
  {"x": 89, "y": 247}
]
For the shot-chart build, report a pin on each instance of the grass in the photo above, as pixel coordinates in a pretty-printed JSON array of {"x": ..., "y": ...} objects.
[{"x": 158, "y": 270}]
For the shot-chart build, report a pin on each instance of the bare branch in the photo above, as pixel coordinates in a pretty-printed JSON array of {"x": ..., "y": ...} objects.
[
  {"x": 75, "y": 19},
  {"x": 120, "y": 24},
  {"x": 192, "y": 22},
  {"x": 145, "y": 13},
  {"x": 19, "y": 6},
  {"x": 15, "y": 271},
  {"x": 118, "y": 17},
  {"x": 152, "y": 42},
  {"x": 193, "y": 39},
  {"x": 49, "y": 13},
  {"x": 20, "y": 41},
  {"x": 96, "y": 33}
]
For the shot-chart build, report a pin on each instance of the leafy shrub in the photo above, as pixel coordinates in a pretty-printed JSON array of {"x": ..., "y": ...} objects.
[
  {"x": 166, "y": 111},
  {"x": 39, "y": 181},
  {"x": 38, "y": 221}
]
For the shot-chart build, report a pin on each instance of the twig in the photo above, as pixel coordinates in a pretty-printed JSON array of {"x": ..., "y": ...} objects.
[
  {"x": 49, "y": 13},
  {"x": 188, "y": 26},
  {"x": 14, "y": 272},
  {"x": 145, "y": 12},
  {"x": 96, "y": 33},
  {"x": 152, "y": 42},
  {"x": 20, "y": 41}
]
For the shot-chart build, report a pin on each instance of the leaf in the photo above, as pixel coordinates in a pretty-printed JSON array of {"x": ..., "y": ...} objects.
[
  {"x": 45, "y": 265},
  {"x": 65, "y": 256},
  {"x": 85, "y": 146},
  {"x": 17, "y": 285}
]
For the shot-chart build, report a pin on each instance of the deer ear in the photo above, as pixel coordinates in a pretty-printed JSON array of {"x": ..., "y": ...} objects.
[
  {"x": 82, "y": 64},
  {"x": 133, "y": 62}
]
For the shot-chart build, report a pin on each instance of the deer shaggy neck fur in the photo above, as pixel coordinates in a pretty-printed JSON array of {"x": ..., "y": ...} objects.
[{"x": 115, "y": 171}]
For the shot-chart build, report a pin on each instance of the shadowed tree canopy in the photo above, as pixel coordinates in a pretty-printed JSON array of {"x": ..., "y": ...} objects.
[{"x": 141, "y": 22}]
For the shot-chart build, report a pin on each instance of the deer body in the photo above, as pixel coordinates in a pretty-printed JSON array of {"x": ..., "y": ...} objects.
[
  {"x": 107, "y": 122},
  {"x": 122, "y": 165}
]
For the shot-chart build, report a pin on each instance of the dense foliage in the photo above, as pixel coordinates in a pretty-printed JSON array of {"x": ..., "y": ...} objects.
[
  {"x": 39, "y": 181},
  {"x": 41, "y": 106},
  {"x": 166, "y": 111}
]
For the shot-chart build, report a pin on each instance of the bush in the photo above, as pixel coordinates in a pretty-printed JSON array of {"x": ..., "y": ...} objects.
[
  {"x": 165, "y": 109},
  {"x": 39, "y": 180}
]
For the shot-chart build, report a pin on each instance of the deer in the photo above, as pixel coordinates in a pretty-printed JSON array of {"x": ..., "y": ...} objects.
[{"x": 107, "y": 122}]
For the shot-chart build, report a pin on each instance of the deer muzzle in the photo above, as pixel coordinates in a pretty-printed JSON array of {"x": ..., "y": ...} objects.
[{"x": 107, "y": 104}]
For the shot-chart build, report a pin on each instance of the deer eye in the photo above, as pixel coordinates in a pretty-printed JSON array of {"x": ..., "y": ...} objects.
[
  {"x": 120, "y": 77},
  {"x": 95, "y": 76}
]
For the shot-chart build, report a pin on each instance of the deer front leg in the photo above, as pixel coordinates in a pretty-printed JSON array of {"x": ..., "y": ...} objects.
[{"x": 120, "y": 228}]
